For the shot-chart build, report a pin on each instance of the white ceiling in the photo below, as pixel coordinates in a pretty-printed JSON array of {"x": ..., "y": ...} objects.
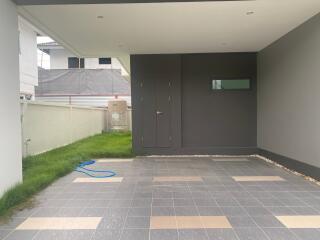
[{"x": 170, "y": 27}]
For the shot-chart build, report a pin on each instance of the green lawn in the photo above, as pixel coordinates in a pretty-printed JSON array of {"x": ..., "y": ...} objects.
[{"x": 41, "y": 170}]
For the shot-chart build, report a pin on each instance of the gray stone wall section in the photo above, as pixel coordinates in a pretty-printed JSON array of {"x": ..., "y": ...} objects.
[{"x": 288, "y": 95}]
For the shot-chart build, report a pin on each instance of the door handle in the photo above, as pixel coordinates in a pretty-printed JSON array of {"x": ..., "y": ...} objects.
[{"x": 159, "y": 113}]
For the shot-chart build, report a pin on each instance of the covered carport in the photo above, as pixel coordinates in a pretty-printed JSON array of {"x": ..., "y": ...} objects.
[{"x": 186, "y": 61}]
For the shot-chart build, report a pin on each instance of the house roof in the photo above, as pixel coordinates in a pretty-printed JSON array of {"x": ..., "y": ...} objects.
[{"x": 48, "y": 46}]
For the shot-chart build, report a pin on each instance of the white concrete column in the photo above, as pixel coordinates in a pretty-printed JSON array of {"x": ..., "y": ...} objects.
[{"x": 10, "y": 126}]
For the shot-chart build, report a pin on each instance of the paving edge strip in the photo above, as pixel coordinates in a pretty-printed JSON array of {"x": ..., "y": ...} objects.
[{"x": 310, "y": 179}]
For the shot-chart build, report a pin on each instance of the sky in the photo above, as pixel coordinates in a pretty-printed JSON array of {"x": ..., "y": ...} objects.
[{"x": 44, "y": 39}]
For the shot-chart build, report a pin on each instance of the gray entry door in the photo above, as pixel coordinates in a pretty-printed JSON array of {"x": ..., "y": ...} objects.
[{"x": 156, "y": 112}]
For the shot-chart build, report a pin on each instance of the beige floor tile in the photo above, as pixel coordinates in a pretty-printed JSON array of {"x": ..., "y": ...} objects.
[
  {"x": 178, "y": 179},
  {"x": 300, "y": 221},
  {"x": 98, "y": 180},
  {"x": 163, "y": 222},
  {"x": 257, "y": 178},
  {"x": 215, "y": 222},
  {"x": 106, "y": 160},
  {"x": 60, "y": 223},
  {"x": 189, "y": 222}
]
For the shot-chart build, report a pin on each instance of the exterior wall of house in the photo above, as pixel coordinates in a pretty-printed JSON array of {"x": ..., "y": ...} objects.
[
  {"x": 198, "y": 119},
  {"x": 27, "y": 57},
  {"x": 288, "y": 95},
  {"x": 59, "y": 60},
  {"x": 10, "y": 127}
]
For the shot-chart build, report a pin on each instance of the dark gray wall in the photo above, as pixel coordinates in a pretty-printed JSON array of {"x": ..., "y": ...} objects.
[
  {"x": 204, "y": 121},
  {"x": 289, "y": 95},
  {"x": 218, "y": 118}
]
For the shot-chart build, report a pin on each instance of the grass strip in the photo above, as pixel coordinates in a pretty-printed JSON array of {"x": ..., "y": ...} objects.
[{"x": 41, "y": 170}]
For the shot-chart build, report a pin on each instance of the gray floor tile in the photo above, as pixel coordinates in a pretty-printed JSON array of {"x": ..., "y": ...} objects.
[
  {"x": 267, "y": 221},
  {"x": 138, "y": 222},
  {"x": 210, "y": 211},
  {"x": 242, "y": 222},
  {"x": 280, "y": 234},
  {"x": 221, "y": 234},
  {"x": 21, "y": 235},
  {"x": 293, "y": 202},
  {"x": 98, "y": 203},
  {"x": 305, "y": 210},
  {"x": 93, "y": 212},
  {"x": 68, "y": 212},
  {"x": 116, "y": 212},
  {"x": 226, "y": 202},
  {"x": 4, "y": 233},
  {"x": 182, "y": 194},
  {"x": 181, "y": 202},
  {"x": 251, "y": 233},
  {"x": 135, "y": 234},
  {"x": 120, "y": 203},
  {"x": 192, "y": 234},
  {"x": 186, "y": 211},
  {"x": 140, "y": 212},
  {"x": 163, "y": 211},
  {"x": 257, "y": 211},
  {"x": 249, "y": 202},
  {"x": 64, "y": 235},
  {"x": 164, "y": 235},
  {"x": 205, "y": 202},
  {"x": 143, "y": 202},
  {"x": 46, "y": 212},
  {"x": 234, "y": 211},
  {"x": 271, "y": 202},
  {"x": 106, "y": 234},
  {"x": 162, "y": 202},
  {"x": 281, "y": 211},
  {"x": 307, "y": 234}
]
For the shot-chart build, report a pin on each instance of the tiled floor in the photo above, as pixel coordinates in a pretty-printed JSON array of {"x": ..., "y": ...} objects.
[{"x": 185, "y": 198}]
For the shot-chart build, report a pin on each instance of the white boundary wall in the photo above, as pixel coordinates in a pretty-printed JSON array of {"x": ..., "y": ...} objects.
[{"x": 46, "y": 126}]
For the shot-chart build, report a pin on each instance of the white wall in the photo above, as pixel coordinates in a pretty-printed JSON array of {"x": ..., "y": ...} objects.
[
  {"x": 10, "y": 128},
  {"x": 59, "y": 60},
  {"x": 289, "y": 95},
  {"x": 27, "y": 57},
  {"x": 52, "y": 125},
  {"x": 49, "y": 126}
]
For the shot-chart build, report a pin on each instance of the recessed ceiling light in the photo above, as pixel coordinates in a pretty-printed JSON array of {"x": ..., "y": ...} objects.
[
  {"x": 100, "y": 17},
  {"x": 250, "y": 13}
]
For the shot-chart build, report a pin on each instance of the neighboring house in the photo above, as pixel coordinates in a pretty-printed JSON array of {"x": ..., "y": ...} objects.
[
  {"x": 28, "y": 59},
  {"x": 61, "y": 58},
  {"x": 81, "y": 81},
  {"x": 87, "y": 87}
]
